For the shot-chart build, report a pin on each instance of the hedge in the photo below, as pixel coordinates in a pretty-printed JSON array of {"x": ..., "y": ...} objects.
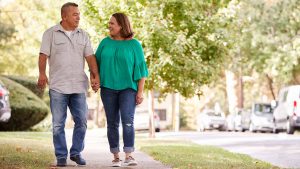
[
  {"x": 28, "y": 82},
  {"x": 27, "y": 108}
]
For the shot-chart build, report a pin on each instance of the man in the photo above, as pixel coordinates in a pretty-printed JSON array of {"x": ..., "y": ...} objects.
[{"x": 66, "y": 46}]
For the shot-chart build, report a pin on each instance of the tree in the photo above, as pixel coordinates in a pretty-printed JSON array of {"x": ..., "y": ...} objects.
[
  {"x": 6, "y": 33},
  {"x": 267, "y": 37},
  {"x": 183, "y": 45},
  {"x": 29, "y": 19},
  {"x": 264, "y": 44},
  {"x": 178, "y": 37}
]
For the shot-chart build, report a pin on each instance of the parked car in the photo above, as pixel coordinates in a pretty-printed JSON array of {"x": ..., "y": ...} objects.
[
  {"x": 261, "y": 117},
  {"x": 141, "y": 120},
  {"x": 238, "y": 121},
  {"x": 242, "y": 120},
  {"x": 287, "y": 113},
  {"x": 210, "y": 119},
  {"x": 230, "y": 122},
  {"x": 5, "y": 111}
]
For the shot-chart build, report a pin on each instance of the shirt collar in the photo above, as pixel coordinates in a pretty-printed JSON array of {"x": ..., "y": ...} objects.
[{"x": 58, "y": 27}]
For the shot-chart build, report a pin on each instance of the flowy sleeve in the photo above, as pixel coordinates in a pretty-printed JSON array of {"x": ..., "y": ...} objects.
[
  {"x": 140, "y": 66},
  {"x": 98, "y": 51}
]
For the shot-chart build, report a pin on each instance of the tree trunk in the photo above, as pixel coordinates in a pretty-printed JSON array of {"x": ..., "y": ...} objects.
[
  {"x": 231, "y": 89},
  {"x": 270, "y": 84},
  {"x": 240, "y": 92},
  {"x": 175, "y": 111},
  {"x": 151, "y": 113},
  {"x": 296, "y": 74}
]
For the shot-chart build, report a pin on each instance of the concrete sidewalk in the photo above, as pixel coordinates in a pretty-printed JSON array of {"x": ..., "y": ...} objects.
[{"x": 97, "y": 154}]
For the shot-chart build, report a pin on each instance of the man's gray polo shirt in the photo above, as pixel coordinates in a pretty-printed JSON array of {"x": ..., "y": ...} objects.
[{"x": 66, "y": 57}]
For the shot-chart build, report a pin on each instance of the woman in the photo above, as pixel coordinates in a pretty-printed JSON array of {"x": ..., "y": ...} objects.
[{"x": 122, "y": 70}]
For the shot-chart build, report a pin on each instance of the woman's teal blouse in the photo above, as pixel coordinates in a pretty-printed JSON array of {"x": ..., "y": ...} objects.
[{"x": 121, "y": 63}]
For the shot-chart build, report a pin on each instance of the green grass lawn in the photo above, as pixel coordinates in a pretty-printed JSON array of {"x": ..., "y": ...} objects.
[
  {"x": 26, "y": 150},
  {"x": 34, "y": 150},
  {"x": 185, "y": 155}
]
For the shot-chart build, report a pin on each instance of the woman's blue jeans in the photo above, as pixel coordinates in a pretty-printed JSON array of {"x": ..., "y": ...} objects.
[
  {"x": 78, "y": 108},
  {"x": 119, "y": 103}
]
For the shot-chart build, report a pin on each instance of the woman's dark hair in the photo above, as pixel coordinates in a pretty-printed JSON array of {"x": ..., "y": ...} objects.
[{"x": 123, "y": 21}]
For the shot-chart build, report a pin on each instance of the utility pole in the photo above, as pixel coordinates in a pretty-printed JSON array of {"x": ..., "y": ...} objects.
[
  {"x": 151, "y": 113},
  {"x": 175, "y": 112}
]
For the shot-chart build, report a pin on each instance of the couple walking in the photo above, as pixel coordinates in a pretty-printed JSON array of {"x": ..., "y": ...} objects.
[{"x": 118, "y": 69}]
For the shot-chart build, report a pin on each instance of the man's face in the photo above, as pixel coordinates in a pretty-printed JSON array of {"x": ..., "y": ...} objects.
[{"x": 72, "y": 16}]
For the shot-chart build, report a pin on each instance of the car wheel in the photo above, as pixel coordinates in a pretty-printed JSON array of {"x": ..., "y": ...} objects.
[
  {"x": 223, "y": 128},
  {"x": 275, "y": 130},
  {"x": 289, "y": 128}
]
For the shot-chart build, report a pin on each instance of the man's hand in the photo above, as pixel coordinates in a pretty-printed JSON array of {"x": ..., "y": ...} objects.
[
  {"x": 42, "y": 81},
  {"x": 139, "y": 97},
  {"x": 95, "y": 83},
  {"x": 94, "y": 75}
]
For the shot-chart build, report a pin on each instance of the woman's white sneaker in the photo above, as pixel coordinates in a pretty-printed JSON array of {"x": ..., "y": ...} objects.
[
  {"x": 130, "y": 161},
  {"x": 116, "y": 162}
]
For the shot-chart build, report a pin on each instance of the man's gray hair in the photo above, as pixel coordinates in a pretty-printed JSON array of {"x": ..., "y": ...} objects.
[{"x": 66, "y": 6}]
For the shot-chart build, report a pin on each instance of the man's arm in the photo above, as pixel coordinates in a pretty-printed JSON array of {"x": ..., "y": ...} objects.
[
  {"x": 94, "y": 75},
  {"x": 43, "y": 80}
]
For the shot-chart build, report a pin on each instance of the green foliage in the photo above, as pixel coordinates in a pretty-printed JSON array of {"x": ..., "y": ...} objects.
[
  {"x": 6, "y": 32},
  {"x": 183, "y": 46},
  {"x": 184, "y": 49},
  {"x": 29, "y": 83},
  {"x": 183, "y": 115},
  {"x": 264, "y": 36},
  {"x": 27, "y": 109},
  {"x": 29, "y": 19}
]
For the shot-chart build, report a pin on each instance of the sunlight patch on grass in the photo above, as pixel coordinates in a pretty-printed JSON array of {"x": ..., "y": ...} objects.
[
  {"x": 186, "y": 155},
  {"x": 25, "y": 150}
]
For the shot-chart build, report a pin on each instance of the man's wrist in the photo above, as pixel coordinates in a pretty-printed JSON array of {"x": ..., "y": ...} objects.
[{"x": 42, "y": 74}]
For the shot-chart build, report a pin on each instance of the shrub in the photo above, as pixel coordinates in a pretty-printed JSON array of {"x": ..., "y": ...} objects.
[
  {"x": 27, "y": 109},
  {"x": 28, "y": 82}
]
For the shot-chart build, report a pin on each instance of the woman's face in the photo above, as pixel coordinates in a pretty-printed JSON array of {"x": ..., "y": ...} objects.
[{"x": 114, "y": 27}]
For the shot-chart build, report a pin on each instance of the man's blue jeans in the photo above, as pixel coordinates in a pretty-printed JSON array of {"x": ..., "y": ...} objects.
[
  {"x": 78, "y": 108},
  {"x": 119, "y": 103}
]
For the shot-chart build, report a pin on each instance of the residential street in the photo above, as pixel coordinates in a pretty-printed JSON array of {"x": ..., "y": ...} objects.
[{"x": 278, "y": 149}]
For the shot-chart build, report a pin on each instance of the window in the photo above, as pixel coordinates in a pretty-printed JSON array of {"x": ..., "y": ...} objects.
[
  {"x": 261, "y": 109},
  {"x": 162, "y": 113}
]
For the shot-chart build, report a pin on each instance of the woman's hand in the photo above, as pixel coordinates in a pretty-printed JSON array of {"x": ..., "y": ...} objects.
[{"x": 139, "y": 97}]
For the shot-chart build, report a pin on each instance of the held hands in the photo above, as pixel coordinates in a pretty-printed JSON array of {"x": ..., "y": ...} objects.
[
  {"x": 42, "y": 81},
  {"x": 95, "y": 83},
  {"x": 139, "y": 97}
]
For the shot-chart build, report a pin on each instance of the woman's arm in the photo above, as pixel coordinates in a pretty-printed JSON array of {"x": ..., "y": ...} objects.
[{"x": 139, "y": 95}]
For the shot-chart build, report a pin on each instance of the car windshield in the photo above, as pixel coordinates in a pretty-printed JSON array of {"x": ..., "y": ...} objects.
[{"x": 261, "y": 109}]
